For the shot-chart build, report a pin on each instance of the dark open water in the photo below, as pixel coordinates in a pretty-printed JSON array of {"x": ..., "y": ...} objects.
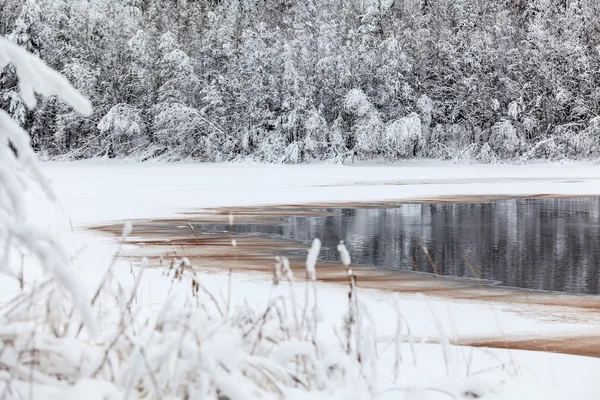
[{"x": 544, "y": 244}]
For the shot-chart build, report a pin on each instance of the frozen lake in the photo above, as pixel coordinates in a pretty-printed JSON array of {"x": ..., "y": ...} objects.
[{"x": 544, "y": 244}]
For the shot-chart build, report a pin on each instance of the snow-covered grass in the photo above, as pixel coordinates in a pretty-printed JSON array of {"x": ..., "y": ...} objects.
[
  {"x": 196, "y": 344},
  {"x": 202, "y": 341}
]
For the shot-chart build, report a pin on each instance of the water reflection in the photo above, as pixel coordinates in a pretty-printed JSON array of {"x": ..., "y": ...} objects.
[{"x": 547, "y": 244}]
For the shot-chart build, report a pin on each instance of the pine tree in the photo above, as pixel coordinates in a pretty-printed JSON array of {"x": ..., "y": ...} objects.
[{"x": 24, "y": 34}]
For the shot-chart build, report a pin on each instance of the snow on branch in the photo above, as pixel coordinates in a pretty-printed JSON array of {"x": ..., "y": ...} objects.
[
  {"x": 19, "y": 170},
  {"x": 35, "y": 76}
]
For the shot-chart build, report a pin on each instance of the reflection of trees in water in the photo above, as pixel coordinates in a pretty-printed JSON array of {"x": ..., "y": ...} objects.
[{"x": 550, "y": 244}]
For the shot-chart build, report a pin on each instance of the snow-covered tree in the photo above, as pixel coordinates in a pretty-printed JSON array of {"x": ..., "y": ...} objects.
[
  {"x": 504, "y": 139},
  {"x": 261, "y": 71},
  {"x": 24, "y": 34},
  {"x": 19, "y": 170},
  {"x": 179, "y": 82},
  {"x": 367, "y": 127},
  {"x": 184, "y": 132},
  {"x": 404, "y": 137},
  {"x": 124, "y": 128}
]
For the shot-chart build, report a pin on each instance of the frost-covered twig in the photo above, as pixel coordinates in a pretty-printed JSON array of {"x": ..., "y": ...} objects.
[{"x": 19, "y": 170}]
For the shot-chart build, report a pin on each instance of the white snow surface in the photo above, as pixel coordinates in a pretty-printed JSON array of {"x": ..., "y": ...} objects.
[
  {"x": 98, "y": 191},
  {"x": 119, "y": 190}
]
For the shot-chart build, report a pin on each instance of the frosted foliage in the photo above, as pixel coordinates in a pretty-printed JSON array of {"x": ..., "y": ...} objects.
[
  {"x": 404, "y": 136},
  {"x": 178, "y": 59},
  {"x": 368, "y": 126},
  {"x": 196, "y": 347},
  {"x": 35, "y": 77},
  {"x": 292, "y": 154},
  {"x": 20, "y": 35},
  {"x": 568, "y": 144},
  {"x": 19, "y": 171},
  {"x": 549, "y": 149},
  {"x": 30, "y": 13},
  {"x": 368, "y": 134},
  {"x": 122, "y": 120},
  {"x": 504, "y": 139},
  {"x": 530, "y": 123},
  {"x": 293, "y": 68},
  {"x": 316, "y": 133},
  {"x": 184, "y": 131},
  {"x": 180, "y": 81},
  {"x": 176, "y": 125},
  {"x": 425, "y": 105},
  {"x": 513, "y": 110},
  {"x": 563, "y": 95},
  {"x": 168, "y": 41},
  {"x": 357, "y": 102},
  {"x": 315, "y": 125},
  {"x": 495, "y": 104},
  {"x": 273, "y": 148},
  {"x": 486, "y": 155},
  {"x": 16, "y": 108},
  {"x": 138, "y": 43},
  {"x": 125, "y": 125},
  {"x": 82, "y": 76}
]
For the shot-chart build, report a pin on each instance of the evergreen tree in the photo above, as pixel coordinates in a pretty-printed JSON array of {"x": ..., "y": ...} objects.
[
  {"x": 24, "y": 34},
  {"x": 284, "y": 81}
]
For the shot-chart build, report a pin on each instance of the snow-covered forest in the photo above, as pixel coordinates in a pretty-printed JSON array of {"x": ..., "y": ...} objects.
[{"x": 292, "y": 81}]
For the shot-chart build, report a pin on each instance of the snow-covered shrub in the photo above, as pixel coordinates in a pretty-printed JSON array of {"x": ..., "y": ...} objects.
[
  {"x": 138, "y": 44},
  {"x": 426, "y": 107},
  {"x": 16, "y": 107},
  {"x": 504, "y": 139},
  {"x": 368, "y": 127},
  {"x": 514, "y": 109},
  {"x": 568, "y": 143},
  {"x": 125, "y": 128},
  {"x": 466, "y": 155},
  {"x": 404, "y": 137},
  {"x": 530, "y": 125},
  {"x": 83, "y": 76},
  {"x": 487, "y": 155},
  {"x": 19, "y": 171},
  {"x": 368, "y": 132},
  {"x": 587, "y": 142},
  {"x": 24, "y": 34},
  {"x": 454, "y": 142},
  {"x": 292, "y": 153},
  {"x": 71, "y": 126},
  {"x": 474, "y": 153},
  {"x": 181, "y": 129},
  {"x": 357, "y": 103},
  {"x": 176, "y": 72},
  {"x": 315, "y": 140},
  {"x": 338, "y": 139},
  {"x": 180, "y": 82},
  {"x": 273, "y": 147},
  {"x": 448, "y": 141},
  {"x": 548, "y": 149}
]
